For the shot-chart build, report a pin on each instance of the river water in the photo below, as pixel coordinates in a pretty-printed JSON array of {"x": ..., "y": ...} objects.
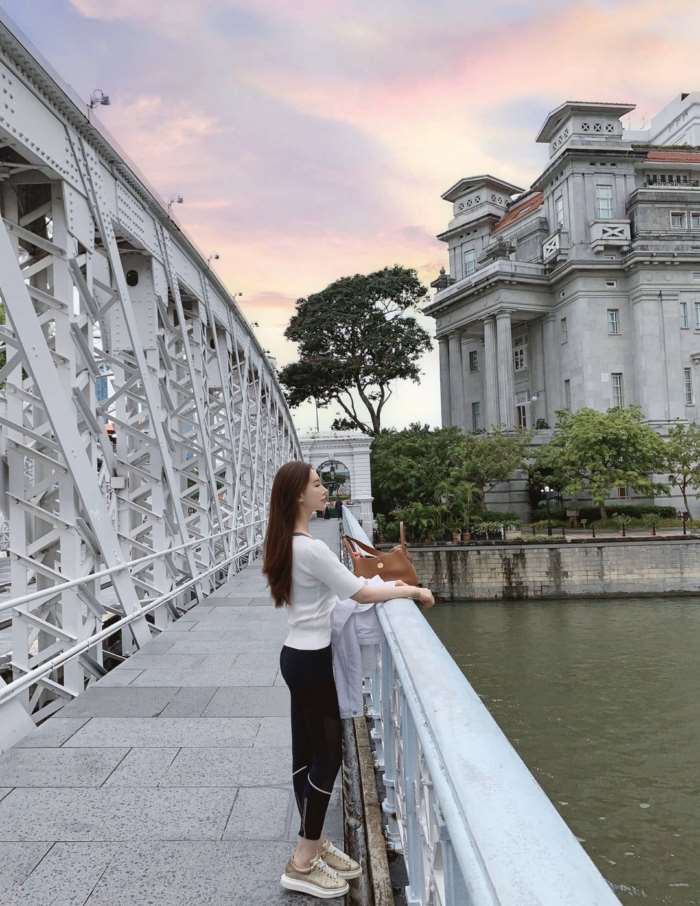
[{"x": 601, "y": 699}]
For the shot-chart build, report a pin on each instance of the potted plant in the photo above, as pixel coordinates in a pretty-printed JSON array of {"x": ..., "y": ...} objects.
[{"x": 652, "y": 520}]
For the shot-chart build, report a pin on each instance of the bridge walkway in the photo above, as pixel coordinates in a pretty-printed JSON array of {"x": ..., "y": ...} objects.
[{"x": 168, "y": 781}]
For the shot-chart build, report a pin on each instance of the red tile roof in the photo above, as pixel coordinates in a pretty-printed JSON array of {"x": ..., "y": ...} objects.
[
  {"x": 687, "y": 156},
  {"x": 520, "y": 209}
]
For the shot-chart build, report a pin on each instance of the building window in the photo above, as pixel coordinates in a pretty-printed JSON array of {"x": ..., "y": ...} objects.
[
  {"x": 469, "y": 259},
  {"x": 567, "y": 395},
  {"x": 695, "y": 221},
  {"x": 521, "y": 409},
  {"x": 677, "y": 220},
  {"x": 613, "y": 320},
  {"x": 604, "y": 202},
  {"x": 476, "y": 416},
  {"x": 688, "y": 386},
  {"x": 559, "y": 211},
  {"x": 684, "y": 316},
  {"x": 618, "y": 393},
  {"x": 697, "y": 315},
  {"x": 563, "y": 330},
  {"x": 623, "y": 492},
  {"x": 520, "y": 353},
  {"x": 474, "y": 360}
]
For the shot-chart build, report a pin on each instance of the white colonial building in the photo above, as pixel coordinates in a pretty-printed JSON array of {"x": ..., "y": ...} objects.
[
  {"x": 583, "y": 290},
  {"x": 342, "y": 458}
]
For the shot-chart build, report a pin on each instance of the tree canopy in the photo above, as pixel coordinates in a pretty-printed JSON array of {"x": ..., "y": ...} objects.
[
  {"x": 683, "y": 459},
  {"x": 355, "y": 337},
  {"x": 424, "y": 465},
  {"x": 595, "y": 451}
]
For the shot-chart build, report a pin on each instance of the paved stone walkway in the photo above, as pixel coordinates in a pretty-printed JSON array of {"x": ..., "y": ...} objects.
[{"x": 168, "y": 781}]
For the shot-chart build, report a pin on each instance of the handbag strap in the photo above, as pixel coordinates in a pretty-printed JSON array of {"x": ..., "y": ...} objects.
[{"x": 365, "y": 547}]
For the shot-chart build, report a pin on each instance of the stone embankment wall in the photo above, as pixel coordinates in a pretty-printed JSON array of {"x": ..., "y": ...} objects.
[{"x": 560, "y": 570}]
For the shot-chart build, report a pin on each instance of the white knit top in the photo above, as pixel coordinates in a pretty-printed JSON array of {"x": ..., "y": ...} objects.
[{"x": 318, "y": 580}]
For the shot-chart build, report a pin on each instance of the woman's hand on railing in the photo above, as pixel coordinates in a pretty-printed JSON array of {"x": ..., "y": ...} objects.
[{"x": 426, "y": 598}]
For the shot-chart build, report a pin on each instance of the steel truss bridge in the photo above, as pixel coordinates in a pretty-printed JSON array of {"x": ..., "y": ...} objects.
[{"x": 112, "y": 316}]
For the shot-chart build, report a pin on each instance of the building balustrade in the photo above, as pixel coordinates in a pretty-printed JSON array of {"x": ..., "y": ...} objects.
[
  {"x": 497, "y": 269},
  {"x": 555, "y": 246},
  {"x": 610, "y": 234}
]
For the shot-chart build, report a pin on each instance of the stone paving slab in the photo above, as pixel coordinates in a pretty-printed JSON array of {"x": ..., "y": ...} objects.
[
  {"x": 260, "y": 813},
  {"x": 274, "y": 731},
  {"x": 18, "y": 860},
  {"x": 66, "y": 876},
  {"x": 120, "y": 701},
  {"x": 142, "y": 767},
  {"x": 53, "y": 732},
  {"x": 225, "y": 873},
  {"x": 201, "y": 643},
  {"x": 59, "y": 767},
  {"x": 115, "y": 813},
  {"x": 120, "y": 676},
  {"x": 144, "y": 660},
  {"x": 166, "y": 731},
  {"x": 229, "y": 767},
  {"x": 248, "y": 701},
  {"x": 191, "y": 701},
  {"x": 255, "y": 675}
]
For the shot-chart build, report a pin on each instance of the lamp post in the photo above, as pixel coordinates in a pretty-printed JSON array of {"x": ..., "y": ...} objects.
[{"x": 547, "y": 490}]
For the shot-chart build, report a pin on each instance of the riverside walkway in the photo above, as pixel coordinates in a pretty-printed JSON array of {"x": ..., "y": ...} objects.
[{"x": 168, "y": 781}]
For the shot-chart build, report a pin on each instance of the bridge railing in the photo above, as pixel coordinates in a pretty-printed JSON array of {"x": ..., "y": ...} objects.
[
  {"x": 89, "y": 648},
  {"x": 474, "y": 826}
]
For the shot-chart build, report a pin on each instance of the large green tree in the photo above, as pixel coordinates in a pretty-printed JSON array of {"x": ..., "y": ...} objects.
[
  {"x": 596, "y": 451},
  {"x": 355, "y": 337},
  {"x": 683, "y": 459},
  {"x": 421, "y": 465}
]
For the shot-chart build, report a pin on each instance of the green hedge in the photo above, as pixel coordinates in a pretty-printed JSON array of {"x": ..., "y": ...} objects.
[
  {"x": 592, "y": 513},
  {"x": 492, "y": 516}
]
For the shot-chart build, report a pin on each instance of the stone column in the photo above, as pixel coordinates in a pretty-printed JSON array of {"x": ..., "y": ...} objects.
[
  {"x": 654, "y": 384},
  {"x": 444, "y": 380},
  {"x": 552, "y": 380},
  {"x": 504, "y": 337},
  {"x": 491, "y": 417},
  {"x": 456, "y": 381},
  {"x": 467, "y": 383}
]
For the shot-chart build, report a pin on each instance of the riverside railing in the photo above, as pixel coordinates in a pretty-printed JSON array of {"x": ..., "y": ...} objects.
[
  {"x": 474, "y": 826},
  {"x": 12, "y": 725}
]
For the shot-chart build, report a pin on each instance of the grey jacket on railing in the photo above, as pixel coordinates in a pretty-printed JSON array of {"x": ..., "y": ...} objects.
[{"x": 355, "y": 634}]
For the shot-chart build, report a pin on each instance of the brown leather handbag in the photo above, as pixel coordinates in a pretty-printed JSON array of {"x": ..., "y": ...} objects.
[{"x": 393, "y": 564}]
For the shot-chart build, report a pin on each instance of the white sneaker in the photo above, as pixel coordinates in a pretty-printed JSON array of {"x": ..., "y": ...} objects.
[
  {"x": 318, "y": 879},
  {"x": 340, "y": 862}
]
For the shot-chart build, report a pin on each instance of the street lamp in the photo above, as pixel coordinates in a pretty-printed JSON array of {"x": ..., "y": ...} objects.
[{"x": 547, "y": 490}]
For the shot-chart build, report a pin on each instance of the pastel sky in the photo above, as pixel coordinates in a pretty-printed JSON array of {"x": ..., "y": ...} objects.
[{"x": 312, "y": 138}]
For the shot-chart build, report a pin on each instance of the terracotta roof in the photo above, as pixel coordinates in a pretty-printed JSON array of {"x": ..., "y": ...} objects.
[
  {"x": 520, "y": 209},
  {"x": 688, "y": 156}
]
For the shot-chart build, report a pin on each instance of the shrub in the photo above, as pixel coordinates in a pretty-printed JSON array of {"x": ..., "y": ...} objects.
[
  {"x": 543, "y": 523},
  {"x": 592, "y": 513},
  {"x": 500, "y": 518}
]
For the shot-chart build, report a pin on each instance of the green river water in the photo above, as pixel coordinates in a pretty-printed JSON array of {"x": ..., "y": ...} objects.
[{"x": 601, "y": 699}]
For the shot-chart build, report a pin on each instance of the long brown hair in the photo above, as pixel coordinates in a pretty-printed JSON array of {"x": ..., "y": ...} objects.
[{"x": 289, "y": 484}]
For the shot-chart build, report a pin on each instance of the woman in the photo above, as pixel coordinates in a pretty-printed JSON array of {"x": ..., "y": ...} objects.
[{"x": 306, "y": 577}]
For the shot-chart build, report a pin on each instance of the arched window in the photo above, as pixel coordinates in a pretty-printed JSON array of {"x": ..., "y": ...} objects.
[{"x": 335, "y": 475}]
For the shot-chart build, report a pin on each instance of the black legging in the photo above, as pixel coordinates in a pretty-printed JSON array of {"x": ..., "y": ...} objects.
[{"x": 316, "y": 733}]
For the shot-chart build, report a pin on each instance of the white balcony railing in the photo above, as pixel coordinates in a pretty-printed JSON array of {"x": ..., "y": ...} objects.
[
  {"x": 610, "y": 234},
  {"x": 500, "y": 268},
  {"x": 555, "y": 246},
  {"x": 474, "y": 826}
]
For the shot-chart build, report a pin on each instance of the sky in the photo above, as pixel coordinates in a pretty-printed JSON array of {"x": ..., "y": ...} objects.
[{"x": 312, "y": 139}]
